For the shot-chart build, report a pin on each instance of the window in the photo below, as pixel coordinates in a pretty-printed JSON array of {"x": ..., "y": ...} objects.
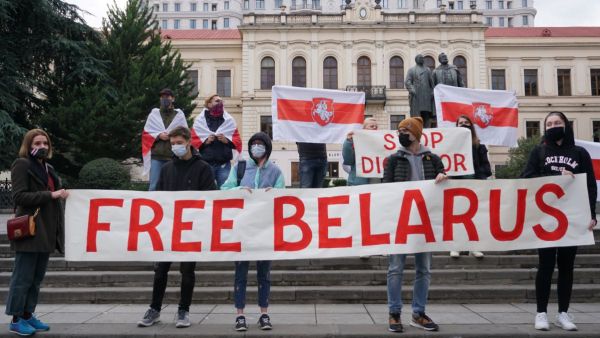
[
  {"x": 510, "y": 22},
  {"x": 278, "y": 4},
  {"x": 176, "y": 24},
  {"x": 451, "y": 5},
  {"x": 595, "y": 77},
  {"x": 267, "y": 73},
  {"x": 531, "y": 82},
  {"x": 439, "y": 3},
  {"x": 488, "y": 4},
  {"x": 192, "y": 23},
  {"x": 177, "y": 7},
  {"x": 532, "y": 128},
  {"x": 525, "y": 20},
  {"x": 205, "y": 24},
  {"x": 299, "y": 72},
  {"x": 509, "y": 5},
  {"x": 333, "y": 169},
  {"x": 564, "y": 82},
  {"x": 266, "y": 125},
  {"x": 156, "y": 7},
  {"x": 192, "y": 75},
  {"x": 213, "y": 25},
  {"x": 165, "y": 24},
  {"x": 205, "y": 7},
  {"x": 225, "y": 22},
  {"x": 459, "y": 5},
  {"x": 429, "y": 62},
  {"x": 260, "y": 4},
  {"x": 524, "y": 4},
  {"x": 396, "y": 73},
  {"x": 498, "y": 79},
  {"x": 330, "y": 73},
  {"x": 395, "y": 120},
  {"x": 246, "y": 4},
  {"x": 501, "y": 22},
  {"x": 596, "y": 131},
  {"x": 226, "y": 5},
  {"x": 214, "y": 7},
  {"x": 501, "y": 4},
  {"x": 489, "y": 21},
  {"x": 364, "y": 71},
  {"x": 461, "y": 63},
  {"x": 193, "y": 7},
  {"x": 224, "y": 83},
  {"x": 416, "y": 4},
  {"x": 165, "y": 7},
  {"x": 402, "y": 4},
  {"x": 384, "y": 3}
]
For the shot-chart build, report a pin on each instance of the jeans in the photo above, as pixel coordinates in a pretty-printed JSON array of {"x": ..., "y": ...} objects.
[
  {"x": 420, "y": 288},
  {"x": 155, "y": 167},
  {"x": 312, "y": 173},
  {"x": 188, "y": 279},
  {"x": 27, "y": 276},
  {"x": 221, "y": 172},
  {"x": 564, "y": 257},
  {"x": 263, "y": 277}
]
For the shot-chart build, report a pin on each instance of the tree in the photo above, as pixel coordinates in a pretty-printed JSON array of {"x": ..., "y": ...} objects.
[{"x": 517, "y": 158}]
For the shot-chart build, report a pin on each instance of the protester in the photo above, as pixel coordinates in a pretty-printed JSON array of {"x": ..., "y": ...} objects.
[
  {"x": 481, "y": 164},
  {"x": 258, "y": 173},
  {"x": 558, "y": 155},
  {"x": 156, "y": 149},
  {"x": 349, "y": 156},
  {"x": 412, "y": 162},
  {"x": 313, "y": 164},
  {"x": 36, "y": 190},
  {"x": 216, "y": 137},
  {"x": 186, "y": 171}
]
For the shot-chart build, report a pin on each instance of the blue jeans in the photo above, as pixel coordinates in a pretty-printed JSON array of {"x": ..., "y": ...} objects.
[
  {"x": 155, "y": 167},
  {"x": 221, "y": 172},
  {"x": 27, "y": 276},
  {"x": 312, "y": 173},
  {"x": 263, "y": 277},
  {"x": 421, "y": 286}
]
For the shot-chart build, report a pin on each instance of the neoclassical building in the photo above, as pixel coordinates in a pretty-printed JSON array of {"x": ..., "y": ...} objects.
[{"x": 365, "y": 48}]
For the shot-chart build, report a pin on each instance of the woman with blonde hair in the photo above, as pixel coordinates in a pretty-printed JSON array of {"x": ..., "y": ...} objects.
[{"x": 349, "y": 156}]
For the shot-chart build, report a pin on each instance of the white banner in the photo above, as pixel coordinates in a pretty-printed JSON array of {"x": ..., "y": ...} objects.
[
  {"x": 452, "y": 145},
  {"x": 492, "y": 215},
  {"x": 593, "y": 148}
]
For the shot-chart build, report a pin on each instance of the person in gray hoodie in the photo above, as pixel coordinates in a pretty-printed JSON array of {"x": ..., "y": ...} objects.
[{"x": 413, "y": 162}]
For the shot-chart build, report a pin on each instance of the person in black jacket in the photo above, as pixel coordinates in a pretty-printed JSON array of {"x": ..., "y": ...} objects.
[
  {"x": 481, "y": 165},
  {"x": 187, "y": 171},
  {"x": 558, "y": 155}
]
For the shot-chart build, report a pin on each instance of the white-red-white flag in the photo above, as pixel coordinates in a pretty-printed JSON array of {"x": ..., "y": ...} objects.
[
  {"x": 593, "y": 148},
  {"x": 495, "y": 113},
  {"x": 315, "y": 115},
  {"x": 153, "y": 127},
  {"x": 200, "y": 131}
]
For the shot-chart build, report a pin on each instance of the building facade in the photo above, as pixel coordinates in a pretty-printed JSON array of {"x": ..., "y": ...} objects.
[
  {"x": 365, "y": 48},
  {"x": 194, "y": 14}
]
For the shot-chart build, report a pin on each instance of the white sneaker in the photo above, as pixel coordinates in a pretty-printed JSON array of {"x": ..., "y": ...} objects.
[
  {"x": 541, "y": 321},
  {"x": 454, "y": 254},
  {"x": 565, "y": 321},
  {"x": 476, "y": 254}
]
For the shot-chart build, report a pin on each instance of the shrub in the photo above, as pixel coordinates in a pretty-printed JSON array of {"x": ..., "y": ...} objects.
[
  {"x": 326, "y": 182},
  {"x": 517, "y": 158},
  {"x": 103, "y": 173},
  {"x": 339, "y": 182}
]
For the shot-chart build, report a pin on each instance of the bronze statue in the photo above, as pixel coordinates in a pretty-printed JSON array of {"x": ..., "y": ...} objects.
[
  {"x": 419, "y": 83},
  {"x": 447, "y": 74}
]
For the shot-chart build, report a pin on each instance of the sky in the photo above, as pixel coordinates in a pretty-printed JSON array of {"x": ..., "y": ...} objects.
[{"x": 550, "y": 12}]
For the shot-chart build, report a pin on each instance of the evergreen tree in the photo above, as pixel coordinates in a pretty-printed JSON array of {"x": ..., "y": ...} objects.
[{"x": 517, "y": 158}]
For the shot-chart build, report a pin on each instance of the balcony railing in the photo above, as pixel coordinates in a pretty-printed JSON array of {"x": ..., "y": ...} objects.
[
  {"x": 6, "y": 201},
  {"x": 372, "y": 93}
]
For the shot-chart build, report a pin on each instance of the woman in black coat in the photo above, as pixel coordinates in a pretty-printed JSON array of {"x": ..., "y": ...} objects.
[{"x": 35, "y": 186}]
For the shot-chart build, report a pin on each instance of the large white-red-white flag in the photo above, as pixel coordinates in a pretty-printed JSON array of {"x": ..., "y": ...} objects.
[
  {"x": 495, "y": 113},
  {"x": 153, "y": 127},
  {"x": 315, "y": 115},
  {"x": 593, "y": 148},
  {"x": 200, "y": 131}
]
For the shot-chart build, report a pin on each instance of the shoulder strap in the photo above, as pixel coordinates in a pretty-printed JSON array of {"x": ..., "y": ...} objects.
[{"x": 241, "y": 169}]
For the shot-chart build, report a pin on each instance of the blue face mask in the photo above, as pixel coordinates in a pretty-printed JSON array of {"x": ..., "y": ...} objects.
[
  {"x": 258, "y": 150},
  {"x": 165, "y": 103},
  {"x": 179, "y": 150}
]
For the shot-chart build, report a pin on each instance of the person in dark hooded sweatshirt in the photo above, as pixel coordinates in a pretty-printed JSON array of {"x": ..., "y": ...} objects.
[
  {"x": 259, "y": 173},
  {"x": 186, "y": 171},
  {"x": 558, "y": 155}
]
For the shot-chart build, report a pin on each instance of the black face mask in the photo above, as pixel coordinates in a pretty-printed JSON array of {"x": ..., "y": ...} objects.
[
  {"x": 40, "y": 153},
  {"x": 465, "y": 126},
  {"x": 555, "y": 134},
  {"x": 404, "y": 140}
]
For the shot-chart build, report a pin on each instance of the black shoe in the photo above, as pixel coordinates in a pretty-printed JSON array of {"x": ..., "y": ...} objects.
[
  {"x": 422, "y": 321},
  {"x": 240, "y": 324},
  {"x": 264, "y": 322},
  {"x": 395, "y": 324}
]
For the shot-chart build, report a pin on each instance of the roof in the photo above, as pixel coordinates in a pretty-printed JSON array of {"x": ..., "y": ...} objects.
[
  {"x": 201, "y": 34},
  {"x": 530, "y": 32}
]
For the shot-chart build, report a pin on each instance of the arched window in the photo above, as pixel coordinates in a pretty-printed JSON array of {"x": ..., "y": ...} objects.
[
  {"x": 267, "y": 73},
  {"x": 429, "y": 62},
  {"x": 364, "y": 71},
  {"x": 461, "y": 63},
  {"x": 299, "y": 72},
  {"x": 330, "y": 73},
  {"x": 396, "y": 73}
]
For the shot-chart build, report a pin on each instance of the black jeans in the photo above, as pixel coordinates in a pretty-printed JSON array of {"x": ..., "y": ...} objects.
[
  {"x": 565, "y": 257},
  {"x": 188, "y": 279},
  {"x": 27, "y": 276}
]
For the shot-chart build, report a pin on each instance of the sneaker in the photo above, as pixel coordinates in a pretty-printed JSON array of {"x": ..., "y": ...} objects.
[
  {"x": 264, "y": 322},
  {"x": 476, "y": 254},
  {"x": 37, "y": 324},
  {"x": 454, "y": 254},
  {"x": 183, "y": 319},
  {"x": 541, "y": 321},
  {"x": 240, "y": 324},
  {"x": 565, "y": 321},
  {"x": 395, "y": 323},
  {"x": 422, "y": 321},
  {"x": 21, "y": 327},
  {"x": 150, "y": 318}
]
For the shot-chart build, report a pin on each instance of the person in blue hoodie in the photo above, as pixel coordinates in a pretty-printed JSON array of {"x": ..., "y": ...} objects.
[{"x": 259, "y": 173}]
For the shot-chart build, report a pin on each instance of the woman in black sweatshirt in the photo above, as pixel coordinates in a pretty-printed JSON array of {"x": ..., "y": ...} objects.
[{"x": 558, "y": 155}]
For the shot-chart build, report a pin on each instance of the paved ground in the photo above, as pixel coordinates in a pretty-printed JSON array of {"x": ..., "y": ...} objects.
[
  {"x": 3, "y": 219},
  {"x": 315, "y": 320}
]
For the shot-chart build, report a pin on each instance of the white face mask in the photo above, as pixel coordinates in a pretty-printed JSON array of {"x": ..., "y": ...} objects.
[
  {"x": 179, "y": 150},
  {"x": 258, "y": 150}
]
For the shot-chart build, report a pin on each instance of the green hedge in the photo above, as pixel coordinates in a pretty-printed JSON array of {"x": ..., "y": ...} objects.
[{"x": 104, "y": 173}]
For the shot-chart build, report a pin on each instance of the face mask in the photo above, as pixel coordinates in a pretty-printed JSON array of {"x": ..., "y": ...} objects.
[
  {"x": 39, "y": 153},
  {"x": 217, "y": 109},
  {"x": 465, "y": 126},
  {"x": 179, "y": 150},
  {"x": 165, "y": 103},
  {"x": 555, "y": 134},
  {"x": 404, "y": 140},
  {"x": 258, "y": 150}
]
